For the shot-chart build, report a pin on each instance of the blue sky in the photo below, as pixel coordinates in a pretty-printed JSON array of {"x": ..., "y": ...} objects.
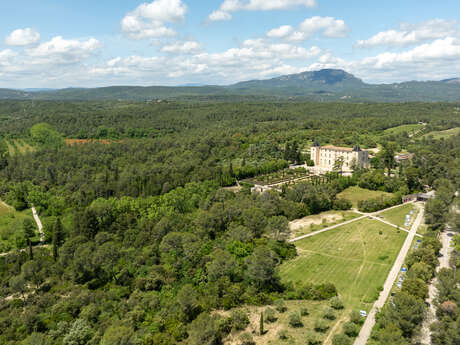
[{"x": 61, "y": 43}]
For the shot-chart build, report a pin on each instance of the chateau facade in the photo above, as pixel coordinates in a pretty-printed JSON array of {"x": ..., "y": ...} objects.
[{"x": 325, "y": 157}]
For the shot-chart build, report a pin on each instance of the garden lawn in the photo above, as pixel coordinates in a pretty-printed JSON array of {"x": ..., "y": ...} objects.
[
  {"x": 356, "y": 194},
  {"x": 397, "y": 215},
  {"x": 356, "y": 258}
]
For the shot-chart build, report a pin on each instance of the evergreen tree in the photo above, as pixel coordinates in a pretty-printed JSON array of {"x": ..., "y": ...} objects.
[{"x": 261, "y": 325}]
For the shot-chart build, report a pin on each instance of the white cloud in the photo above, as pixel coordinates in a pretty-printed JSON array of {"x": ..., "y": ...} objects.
[
  {"x": 229, "y": 6},
  {"x": 326, "y": 26},
  {"x": 22, "y": 37},
  {"x": 62, "y": 51},
  {"x": 408, "y": 34},
  {"x": 149, "y": 20},
  {"x": 280, "y": 32},
  {"x": 184, "y": 47}
]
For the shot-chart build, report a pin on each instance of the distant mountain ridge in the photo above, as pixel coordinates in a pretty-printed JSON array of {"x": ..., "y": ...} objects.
[{"x": 322, "y": 85}]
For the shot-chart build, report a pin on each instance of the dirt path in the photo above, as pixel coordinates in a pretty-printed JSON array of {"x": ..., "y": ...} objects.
[
  {"x": 446, "y": 250},
  {"x": 39, "y": 224},
  {"x": 366, "y": 330}
]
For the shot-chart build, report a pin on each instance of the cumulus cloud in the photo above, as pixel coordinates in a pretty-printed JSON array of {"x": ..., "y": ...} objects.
[
  {"x": 182, "y": 48},
  {"x": 281, "y": 32},
  {"x": 229, "y": 6},
  {"x": 408, "y": 34},
  {"x": 326, "y": 26},
  {"x": 62, "y": 51},
  {"x": 22, "y": 37},
  {"x": 256, "y": 58},
  {"x": 149, "y": 20}
]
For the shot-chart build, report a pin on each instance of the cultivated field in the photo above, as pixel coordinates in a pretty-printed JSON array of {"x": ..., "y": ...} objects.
[
  {"x": 355, "y": 257},
  {"x": 443, "y": 134},
  {"x": 409, "y": 129},
  {"x": 356, "y": 194},
  {"x": 397, "y": 215},
  {"x": 19, "y": 146}
]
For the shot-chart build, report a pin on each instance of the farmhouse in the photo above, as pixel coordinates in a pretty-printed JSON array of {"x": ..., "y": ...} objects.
[{"x": 326, "y": 158}]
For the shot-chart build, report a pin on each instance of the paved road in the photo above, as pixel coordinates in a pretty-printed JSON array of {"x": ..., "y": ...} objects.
[
  {"x": 446, "y": 251},
  {"x": 364, "y": 215},
  {"x": 366, "y": 330}
]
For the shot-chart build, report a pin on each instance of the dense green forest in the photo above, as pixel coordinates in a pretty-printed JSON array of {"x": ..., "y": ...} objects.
[{"x": 144, "y": 244}]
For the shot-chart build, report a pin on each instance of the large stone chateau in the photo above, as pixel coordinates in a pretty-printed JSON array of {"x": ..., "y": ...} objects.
[{"x": 326, "y": 156}]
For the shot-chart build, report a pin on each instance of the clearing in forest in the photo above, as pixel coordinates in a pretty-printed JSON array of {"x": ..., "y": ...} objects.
[
  {"x": 409, "y": 129},
  {"x": 443, "y": 134},
  {"x": 355, "y": 257},
  {"x": 273, "y": 330},
  {"x": 319, "y": 221},
  {"x": 356, "y": 194},
  {"x": 11, "y": 226}
]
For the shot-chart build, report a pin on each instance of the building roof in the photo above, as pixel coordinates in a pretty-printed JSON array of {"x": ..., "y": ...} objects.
[{"x": 337, "y": 148}]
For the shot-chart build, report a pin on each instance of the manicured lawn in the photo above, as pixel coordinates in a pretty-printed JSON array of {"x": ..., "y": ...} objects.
[
  {"x": 443, "y": 134},
  {"x": 397, "y": 215},
  {"x": 356, "y": 258},
  {"x": 10, "y": 224},
  {"x": 355, "y": 194},
  {"x": 404, "y": 128}
]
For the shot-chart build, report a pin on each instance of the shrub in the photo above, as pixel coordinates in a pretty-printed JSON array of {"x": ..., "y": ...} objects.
[
  {"x": 283, "y": 334},
  {"x": 328, "y": 313},
  {"x": 341, "y": 339},
  {"x": 336, "y": 303},
  {"x": 350, "y": 329},
  {"x": 321, "y": 325},
  {"x": 342, "y": 204},
  {"x": 239, "y": 320},
  {"x": 304, "y": 311},
  {"x": 295, "y": 320},
  {"x": 270, "y": 315},
  {"x": 246, "y": 339},
  {"x": 356, "y": 318},
  {"x": 280, "y": 305},
  {"x": 313, "y": 339}
]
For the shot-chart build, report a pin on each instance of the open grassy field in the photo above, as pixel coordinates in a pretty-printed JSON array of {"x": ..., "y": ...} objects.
[
  {"x": 18, "y": 146},
  {"x": 356, "y": 194},
  {"x": 397, "y": 215},
  {"x": 409, "y": 129},
  {"x": 296, "y": 335},
  {"x": 10, "y": 224},
  {"x": 319, "y": 221},
  {"x": 355, "y": 257},
  {"x": 443, "y": 134}
]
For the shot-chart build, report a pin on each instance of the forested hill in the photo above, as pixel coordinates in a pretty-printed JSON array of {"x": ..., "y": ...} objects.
[{"x": 324, "y": 85}]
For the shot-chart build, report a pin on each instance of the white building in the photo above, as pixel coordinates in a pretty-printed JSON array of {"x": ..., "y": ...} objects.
[{"x": 326, "y": 156}]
